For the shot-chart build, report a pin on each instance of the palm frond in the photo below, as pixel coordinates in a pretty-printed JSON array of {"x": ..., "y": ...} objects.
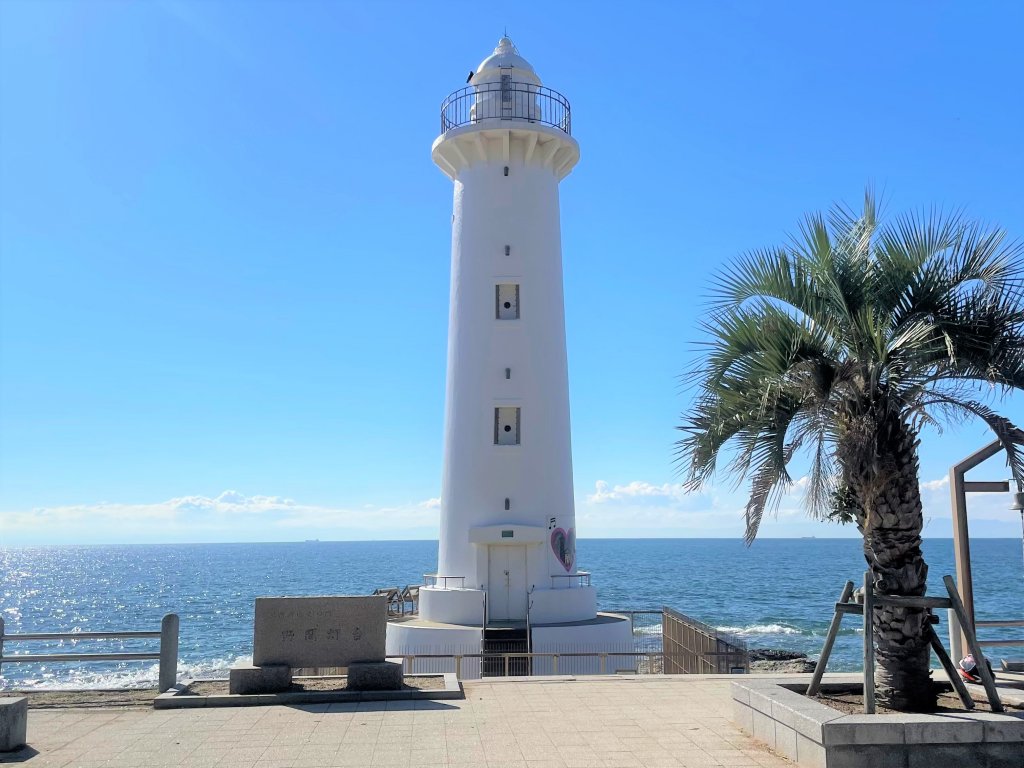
[{"x": 853, "y": 324}]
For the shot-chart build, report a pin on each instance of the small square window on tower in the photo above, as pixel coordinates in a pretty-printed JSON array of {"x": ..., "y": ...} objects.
[
  {"x": 506, "y": 426},
  {"x": 506, "y": 301}
]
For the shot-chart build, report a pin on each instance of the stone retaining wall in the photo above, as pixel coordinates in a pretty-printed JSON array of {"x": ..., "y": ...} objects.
[{"x": 813, "y": 734}]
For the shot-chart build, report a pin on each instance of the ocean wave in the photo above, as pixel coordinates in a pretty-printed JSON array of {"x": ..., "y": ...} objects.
[
  {"x": 763, "y": 629},
  {"x": 654, "y": 629},
  {"x": 133, "y": 676}
]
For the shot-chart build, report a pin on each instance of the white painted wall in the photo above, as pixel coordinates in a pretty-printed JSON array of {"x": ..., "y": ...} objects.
[
  {"x": 610, "y": 633},
  {"x": 452, "y": 606},
  {"x": 492, "y": 210},
  {"x": 549, "y": 606},
  {"x": 411, "y": 638}
]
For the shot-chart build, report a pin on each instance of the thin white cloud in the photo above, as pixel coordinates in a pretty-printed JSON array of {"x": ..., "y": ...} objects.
[
  {"x": 605, "y": 492},
  {"x": 935, "y": 485},
  {"x": 625, "y": 509},
  {"x": 229, "y": 516}
]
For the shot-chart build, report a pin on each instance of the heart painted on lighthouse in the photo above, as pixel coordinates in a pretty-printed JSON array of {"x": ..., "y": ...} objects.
[{"x": 563, "y": 544}]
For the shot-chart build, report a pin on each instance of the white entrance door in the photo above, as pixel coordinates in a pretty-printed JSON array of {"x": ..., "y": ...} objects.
[{"x": 506, "y": 583}]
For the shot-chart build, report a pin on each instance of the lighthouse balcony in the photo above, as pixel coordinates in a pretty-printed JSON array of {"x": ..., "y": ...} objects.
[
  {"x": 449, "y": 602},
  {"x": 506, "y": 100},
  {"x": 556, "y": 606}
]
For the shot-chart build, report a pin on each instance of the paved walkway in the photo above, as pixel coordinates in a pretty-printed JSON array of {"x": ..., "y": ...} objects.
[{"x": 637, "y": 721}]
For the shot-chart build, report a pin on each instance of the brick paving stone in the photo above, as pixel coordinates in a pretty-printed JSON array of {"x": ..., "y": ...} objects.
[{"x": 643, "y": 722}]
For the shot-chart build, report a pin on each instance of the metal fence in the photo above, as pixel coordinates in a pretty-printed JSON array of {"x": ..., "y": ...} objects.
[
  {"x": 506, "y": 100},
  {"x": 167, "y": 654},
  {"x": 692, "y": 647},
  {"x": 663, "y": 641}
]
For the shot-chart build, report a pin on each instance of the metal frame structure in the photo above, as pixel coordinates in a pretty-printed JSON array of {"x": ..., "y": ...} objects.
[{"x": 959, "y": 487}]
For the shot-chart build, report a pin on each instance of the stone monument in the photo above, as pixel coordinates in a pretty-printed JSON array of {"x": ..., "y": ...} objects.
[{"x": 303, "y": 632}]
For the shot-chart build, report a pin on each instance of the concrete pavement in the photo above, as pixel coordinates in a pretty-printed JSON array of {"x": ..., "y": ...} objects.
[{"x": 635, "y": 722}]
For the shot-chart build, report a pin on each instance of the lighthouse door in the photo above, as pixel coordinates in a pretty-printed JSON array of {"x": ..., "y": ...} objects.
[{"x": 506, "y": 583}]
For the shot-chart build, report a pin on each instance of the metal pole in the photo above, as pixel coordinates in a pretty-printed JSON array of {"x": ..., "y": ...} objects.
[
  {"x": 1, "y": 641},
  {"x": 956, "y": 647},
  {"x": 168, "y": 652},
  {"x": 961, "y": 539},
  {"x": 869, "y": 645}
]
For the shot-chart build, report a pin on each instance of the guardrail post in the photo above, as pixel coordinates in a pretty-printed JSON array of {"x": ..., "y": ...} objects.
[
  {"x": 956, "y": 648},
  {"x": 1, "y": 641},
  {"x": 168, "y": 652},
  {"x": 458, "y": 666},
  {"x": 506, "y": 664},
  {"x": 554, "y": 664},
  {"x": 604, "y": 663}
]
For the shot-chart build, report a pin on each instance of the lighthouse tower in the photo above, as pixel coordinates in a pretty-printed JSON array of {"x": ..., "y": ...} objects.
[{"x": 507, "y": 565}]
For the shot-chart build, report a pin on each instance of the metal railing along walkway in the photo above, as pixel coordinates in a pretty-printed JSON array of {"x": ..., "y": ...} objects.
[{"x": 167, "y": 654}]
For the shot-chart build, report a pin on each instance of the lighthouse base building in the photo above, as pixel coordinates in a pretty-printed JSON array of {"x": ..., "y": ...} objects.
[{"x": 507, "y": 578}]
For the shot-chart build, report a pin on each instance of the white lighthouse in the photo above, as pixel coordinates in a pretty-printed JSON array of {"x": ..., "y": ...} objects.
[{"x": 507, "y": 571}]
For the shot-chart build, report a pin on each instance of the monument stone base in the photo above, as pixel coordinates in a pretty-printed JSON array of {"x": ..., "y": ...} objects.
[
  {"x": 270, "y": 678},
  {"x": 374, "y": 676},
  {"x": 13, "y": 722}
]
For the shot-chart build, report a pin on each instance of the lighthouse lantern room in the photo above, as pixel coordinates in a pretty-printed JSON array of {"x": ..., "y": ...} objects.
[{"x": 507, "y": 572}]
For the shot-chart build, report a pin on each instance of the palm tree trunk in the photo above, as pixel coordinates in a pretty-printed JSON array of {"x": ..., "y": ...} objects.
[{"x": 883, "y": 478}]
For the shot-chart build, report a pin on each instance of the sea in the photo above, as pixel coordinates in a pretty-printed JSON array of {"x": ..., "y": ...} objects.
[{"x": 779, "y": 593}]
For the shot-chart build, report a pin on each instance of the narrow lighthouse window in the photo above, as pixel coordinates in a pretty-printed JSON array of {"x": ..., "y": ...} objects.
[
  {"x": 506, "y": 301},
  {"x": 506, "y": 426}
]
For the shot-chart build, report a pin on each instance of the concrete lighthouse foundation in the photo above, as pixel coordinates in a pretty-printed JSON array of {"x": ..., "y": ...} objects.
[{"x": 507, "y": 578}]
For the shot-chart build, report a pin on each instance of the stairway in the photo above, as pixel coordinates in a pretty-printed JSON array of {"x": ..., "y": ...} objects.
[{"x": 505, "y": 639}]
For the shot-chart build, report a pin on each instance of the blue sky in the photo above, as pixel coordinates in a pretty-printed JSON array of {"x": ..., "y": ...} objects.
[{"x": 224, "y": 249}]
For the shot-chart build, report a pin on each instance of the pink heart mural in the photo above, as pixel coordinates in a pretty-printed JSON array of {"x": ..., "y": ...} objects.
[{"x": 563, "y": 544}]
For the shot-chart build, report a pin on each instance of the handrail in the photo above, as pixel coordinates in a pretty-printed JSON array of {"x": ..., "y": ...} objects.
[
  {"x": 1009, "y": 643},
  {"x": 582, "y": 578},
  {"x": 1000, "y": 623},
  {"x": 79, "y": 635},
  {"x": 437, "y": 577},
  {"x": 167, "y": 654},
  {"x": 506, "y": 100},
  {"x": 1001, "y": 643},
  {"x": 529, "y": 631}
]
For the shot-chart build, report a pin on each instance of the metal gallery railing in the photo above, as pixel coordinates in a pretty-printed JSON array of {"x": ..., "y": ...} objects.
[
  {"x": 438, "y": 580},
  {"x": 506, "y": 100},
  {"x": 167, "y": 654},
  {"x": 578, "y": 579}
]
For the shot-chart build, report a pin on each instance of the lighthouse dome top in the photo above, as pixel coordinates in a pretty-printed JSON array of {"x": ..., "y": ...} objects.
[{"x": 505, "y": 56}]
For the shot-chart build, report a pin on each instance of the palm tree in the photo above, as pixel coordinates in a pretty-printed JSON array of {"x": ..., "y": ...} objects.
[{"x": 840, "y": 346}]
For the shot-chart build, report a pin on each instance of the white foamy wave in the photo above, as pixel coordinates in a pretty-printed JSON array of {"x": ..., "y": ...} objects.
[
  {"x": 652, "y": 630},
  {"x": 761, "y": 629},
  {"x": 127, "y": 677}
]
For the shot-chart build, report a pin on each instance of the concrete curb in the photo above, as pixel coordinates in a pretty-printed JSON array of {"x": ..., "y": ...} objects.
[
  {"x": 812, "y": 734},
  {"x": 176, "y": 699}
]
